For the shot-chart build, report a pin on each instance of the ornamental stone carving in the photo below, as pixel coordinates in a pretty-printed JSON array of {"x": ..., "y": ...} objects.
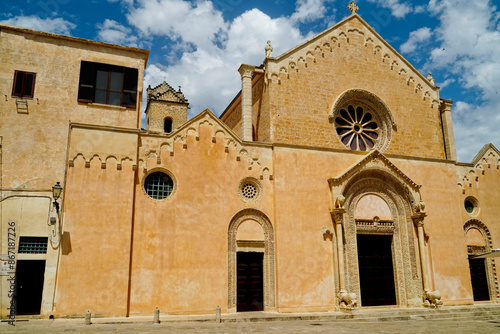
[
  {"x": 432, "y": 299},
  {"x": 347, "y": 301}
]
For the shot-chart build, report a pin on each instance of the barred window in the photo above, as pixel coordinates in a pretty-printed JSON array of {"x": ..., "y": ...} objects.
[
  {"x": 158, "y": 185},
  {"x": 32, "y": 245}
]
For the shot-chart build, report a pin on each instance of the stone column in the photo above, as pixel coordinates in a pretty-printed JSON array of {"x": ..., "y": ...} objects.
[
  {"x": 337, "y": 215},
  {"x": 246, "y": 72},
  {"x": 418, "y": 220},
  {"x": 449, "y": 137}
]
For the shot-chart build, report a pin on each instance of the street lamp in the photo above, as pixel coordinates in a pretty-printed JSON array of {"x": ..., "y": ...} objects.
[{"x": 56, "y": 193}]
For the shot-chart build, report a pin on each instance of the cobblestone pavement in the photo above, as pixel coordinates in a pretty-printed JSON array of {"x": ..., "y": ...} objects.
[{"x": 319, "y": 326}]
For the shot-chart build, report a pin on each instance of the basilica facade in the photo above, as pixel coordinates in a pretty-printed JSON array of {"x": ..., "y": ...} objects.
[{"x": 329, "y": 183}]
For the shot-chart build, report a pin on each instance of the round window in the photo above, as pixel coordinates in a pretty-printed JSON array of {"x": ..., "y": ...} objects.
[
  {"x": 158, "y": 185},
  {"x": 471, "y": 205},
  {"x": 357, "y": 128},
  {"x": 250, "y": 190}
]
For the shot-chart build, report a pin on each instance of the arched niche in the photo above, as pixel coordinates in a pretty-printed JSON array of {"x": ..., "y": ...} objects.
[{"x": 372, "y": 205}]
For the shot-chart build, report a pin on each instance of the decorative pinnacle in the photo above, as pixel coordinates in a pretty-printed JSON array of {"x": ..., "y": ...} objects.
[{"x": 352, "y": 7}]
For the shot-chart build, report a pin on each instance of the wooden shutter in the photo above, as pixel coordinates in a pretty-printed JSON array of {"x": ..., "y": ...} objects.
[
  {"x": 130, "y": 87},
  {"x": 87, "y": 81}
]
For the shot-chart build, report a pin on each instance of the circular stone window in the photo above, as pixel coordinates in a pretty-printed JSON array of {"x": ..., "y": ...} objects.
[
  {"x": 250, "y": 190},
  {"x": 357, "y": 128},
  {"x": 158, "y": 185},
  {"x": 362, "y": 121},
  {"x": 471, "y": 205}
]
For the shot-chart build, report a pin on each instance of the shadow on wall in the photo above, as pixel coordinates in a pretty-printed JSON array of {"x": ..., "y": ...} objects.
[{"x": 66, "y": 243}]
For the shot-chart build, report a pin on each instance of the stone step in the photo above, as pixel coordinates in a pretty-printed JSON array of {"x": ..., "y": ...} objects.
[{"x": 451, "y": 313}]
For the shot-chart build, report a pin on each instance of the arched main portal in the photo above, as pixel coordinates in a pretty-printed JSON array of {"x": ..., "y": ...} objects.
[
  {"x": 251, "y": 253},
  {"x": 483, "y": 271},
  {"x": 381, "y": 254}
]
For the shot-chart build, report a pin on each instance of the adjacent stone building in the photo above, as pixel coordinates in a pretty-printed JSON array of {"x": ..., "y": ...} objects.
[{"x": 330, "y": 182}]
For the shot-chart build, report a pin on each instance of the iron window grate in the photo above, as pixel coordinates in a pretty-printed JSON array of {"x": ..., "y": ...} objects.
[
  {"x": 32, "y": 245},
  {"x": 158, "y": 185}
]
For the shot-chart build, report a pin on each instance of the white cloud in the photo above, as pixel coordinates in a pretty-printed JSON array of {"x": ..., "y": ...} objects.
[
  {"x": 416, "y": 37},
  {"x": 398, "y": 9},
  {"x": 198, "y": 23},
  {"x": 469, "y": 47},
  {"x": 113, "y": 32},
  {"x": 212, "y": 49},
  {"x": 56, "y": 25},
  {"x": 308, "y": 10}
]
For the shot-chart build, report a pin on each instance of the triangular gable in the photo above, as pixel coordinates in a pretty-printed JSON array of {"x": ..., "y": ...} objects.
[
  {"x": 338, "y": 35},
  {"x": 259, "y": 155},
  {"x": 205, "y": 115},
  {"x": 488, "y": 150},
  {"x": 376, "y": 161},
  {"x": 375, "y": 157}
]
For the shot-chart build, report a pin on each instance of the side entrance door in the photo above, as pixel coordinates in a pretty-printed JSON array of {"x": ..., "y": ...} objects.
[
  {"x": 250, "y": 283},
  {"x": 479, "y": 280},
  {"x": 29, "y": 286}
]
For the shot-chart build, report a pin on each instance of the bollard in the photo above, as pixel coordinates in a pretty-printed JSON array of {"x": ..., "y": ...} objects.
[
  {"x": 87, "y": 318},
  {"x": 156, "y": 319},
  {"x": 217, "y": 314}
]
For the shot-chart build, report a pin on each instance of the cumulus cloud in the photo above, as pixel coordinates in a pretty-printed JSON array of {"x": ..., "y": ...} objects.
[
  {"x": 308, "y": 10},
  {"x": 469, "y": 47},
  {"x": 54, "y": 25},
  {"x": 398, "y": 9},
  {"x": 113, "y": 32},
  {"x": 211, "y": 48},
  {"x": 199, "y": 23},
  {"x": 416, "y": 37}
]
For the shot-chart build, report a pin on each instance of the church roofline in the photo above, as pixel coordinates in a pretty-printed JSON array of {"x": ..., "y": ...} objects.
[
  {"x": 483, "y": 151},
  {"x": 337, "y": 25}
]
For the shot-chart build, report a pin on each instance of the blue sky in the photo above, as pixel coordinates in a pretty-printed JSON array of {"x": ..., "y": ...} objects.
[{"x": 199, "y": 45}]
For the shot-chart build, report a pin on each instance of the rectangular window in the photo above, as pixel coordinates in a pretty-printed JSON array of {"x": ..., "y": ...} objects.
[
  {"x": 108, "y": 84},
  {"x": 32, "y": 245},
  {"x": 24, "y": 84}
]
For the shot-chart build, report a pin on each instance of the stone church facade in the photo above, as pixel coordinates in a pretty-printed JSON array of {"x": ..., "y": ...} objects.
[{"x": 329, "y": 183}]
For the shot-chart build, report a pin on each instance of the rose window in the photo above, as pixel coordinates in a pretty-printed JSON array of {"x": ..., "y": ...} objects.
[
  {"x": 357, "y": 128},
  {"x": 250, "y": 190}
]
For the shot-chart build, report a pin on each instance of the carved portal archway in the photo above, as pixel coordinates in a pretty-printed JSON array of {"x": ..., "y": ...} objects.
[
  {"x": 268, "y": 260},
  {"x": 486, "y": 245},
  {"x": 377, "y": 176},
  {"x": 407, "y": 278}
]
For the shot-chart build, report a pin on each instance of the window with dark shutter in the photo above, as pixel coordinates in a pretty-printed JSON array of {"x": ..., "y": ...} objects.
[
  {"x": 24, "y": 84},
  {"x": 108, "y": 84}
]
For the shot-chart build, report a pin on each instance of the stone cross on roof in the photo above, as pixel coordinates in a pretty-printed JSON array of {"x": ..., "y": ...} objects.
[{"x": 352, "y": 7}]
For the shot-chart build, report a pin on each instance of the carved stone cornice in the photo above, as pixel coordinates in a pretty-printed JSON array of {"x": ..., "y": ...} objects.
[
  {"x": 418, "y": 218},
  {"x": 373, "y": 157},
  {"x": 338, "y": 215},
  {"x": 246, "y": 71}
]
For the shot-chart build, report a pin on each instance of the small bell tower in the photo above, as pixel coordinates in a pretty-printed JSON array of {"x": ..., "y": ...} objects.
[{"x": 166, "y": 108}]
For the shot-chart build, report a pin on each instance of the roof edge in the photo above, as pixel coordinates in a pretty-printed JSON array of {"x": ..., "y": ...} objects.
[{"x": 71, "y": 38}]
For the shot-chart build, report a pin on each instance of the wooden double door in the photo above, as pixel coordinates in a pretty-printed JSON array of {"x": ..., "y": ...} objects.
[
  {"x": 250, "y": 282},
  {"x": 376, "y": 271}
]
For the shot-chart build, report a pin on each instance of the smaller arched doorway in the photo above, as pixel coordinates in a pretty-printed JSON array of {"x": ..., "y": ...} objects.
[
  {"x": 482, "y": 271},
  {"x": 250, "y": 262}
]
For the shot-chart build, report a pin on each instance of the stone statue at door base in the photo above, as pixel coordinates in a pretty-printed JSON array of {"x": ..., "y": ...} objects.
[
  {"x": 348, "y": 301},
  {"x": 432, "y": 299}
]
